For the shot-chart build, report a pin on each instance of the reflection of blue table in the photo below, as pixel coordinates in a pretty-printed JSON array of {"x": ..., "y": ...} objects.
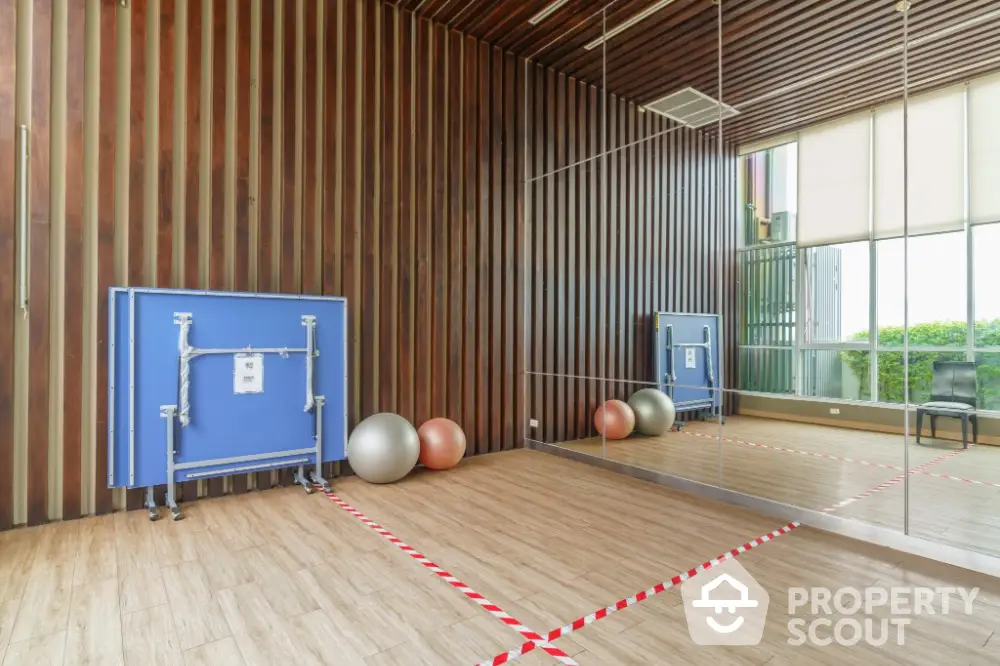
[
  {"x": 209, "y": 384},
  {"x": 686, "y": 358}
]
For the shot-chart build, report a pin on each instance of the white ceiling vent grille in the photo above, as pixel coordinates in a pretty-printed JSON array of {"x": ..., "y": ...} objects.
[{"x": 690, "y": 107}]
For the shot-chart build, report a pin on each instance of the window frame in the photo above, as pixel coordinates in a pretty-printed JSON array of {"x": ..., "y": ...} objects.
[{"x": 872, "y": 345}]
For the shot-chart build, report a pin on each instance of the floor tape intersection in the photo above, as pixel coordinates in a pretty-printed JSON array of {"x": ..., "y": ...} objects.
[
  {"x": 659, "y": 588},
  {"x": 534, "y": 638}
]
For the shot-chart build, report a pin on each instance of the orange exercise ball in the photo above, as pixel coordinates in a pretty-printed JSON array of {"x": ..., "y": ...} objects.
[
  {"x": 614, "y": 419},
  {"x": 442, "y": 444}
]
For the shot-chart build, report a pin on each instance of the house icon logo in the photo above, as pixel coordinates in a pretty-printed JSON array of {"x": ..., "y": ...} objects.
[{"x": 725, "y": 606}]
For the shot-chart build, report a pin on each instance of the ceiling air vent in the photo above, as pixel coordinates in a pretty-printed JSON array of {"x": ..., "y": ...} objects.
[{"x": 690, "y": 107}]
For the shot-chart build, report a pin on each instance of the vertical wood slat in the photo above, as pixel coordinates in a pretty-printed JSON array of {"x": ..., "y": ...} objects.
[
  {"x": 482, "y": 268},
  {"x": 8, "y": 274},
  {"x": 571, "y": 236},
  {"x": 508, "y": 288},
  {"x": 406, "y": 163},
  {"x": 496, "y": 247},
  {"x": 455, "y": 239},
  {"x": 470, "y": 219},
  {"x": 385, "y": 388},
  {"x": 73, "y": 307},
  {"x": 165, "y": 169},
  {"x": 438, "y": 247},
  {"x": 241, "y": 261},
  {"x": 369, "y": 232},
  {"x": 286, "y": 130},
  {"x": 38, "y": 256},
  {"x": 521, "y": 324},
  {"x": 310, "y": 151},
  {"x": 266, "y": 270},
  {"x": 105, "y": 245},
  {"x": 351, "y": 231},
  {"x": 422, "y": 224}
]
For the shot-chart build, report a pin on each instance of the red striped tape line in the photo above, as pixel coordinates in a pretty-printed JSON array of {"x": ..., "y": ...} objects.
[
  {"x": 534, "y": 638},
  {"x": 581, "y": 622},
  {"x": 891, "y": 482},
  {"x": 829, "y": 456},
  {"x": 781, "y": 449}
]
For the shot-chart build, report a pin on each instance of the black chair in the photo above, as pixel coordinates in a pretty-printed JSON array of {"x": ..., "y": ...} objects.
[{"x": 953, "y": 394}]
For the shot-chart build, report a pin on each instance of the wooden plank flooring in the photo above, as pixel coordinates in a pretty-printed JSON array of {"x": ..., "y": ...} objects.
[
  {"x": 278, "y": 576},
  {"x": 951, "y": 510}
]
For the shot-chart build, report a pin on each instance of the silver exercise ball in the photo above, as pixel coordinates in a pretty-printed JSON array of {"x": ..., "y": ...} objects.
[
  {"x": 654, "y": 411},
  {"x": 383, "y": 448}
]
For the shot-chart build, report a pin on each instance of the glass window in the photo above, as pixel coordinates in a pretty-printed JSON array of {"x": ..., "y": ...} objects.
[
  {"x": 836, "y": 292},
  {"x": 988, "y": 377},
  {"x": 937, "y": 295},
  {"x": 770, "y": 195},
  {"x": 986, "y": 278},
  {"x": 831, "y": 373},
  {"x": 890, "y": 374},
  {"x": 766, "y": 370}
]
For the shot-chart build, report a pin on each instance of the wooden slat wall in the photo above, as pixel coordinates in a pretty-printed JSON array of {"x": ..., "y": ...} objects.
[
  {"x": 344, "y": 148},
  {"x": 594, "y": 284},
  {"x": 386, "y": 169}
]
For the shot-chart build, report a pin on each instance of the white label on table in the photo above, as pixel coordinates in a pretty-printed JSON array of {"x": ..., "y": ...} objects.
[
  {"x": 248, "y": 373},
  {"x": 690, "y": 357}
]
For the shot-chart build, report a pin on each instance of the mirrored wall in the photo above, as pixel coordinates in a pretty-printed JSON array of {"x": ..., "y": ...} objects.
[{"x": 784, "y": 217}]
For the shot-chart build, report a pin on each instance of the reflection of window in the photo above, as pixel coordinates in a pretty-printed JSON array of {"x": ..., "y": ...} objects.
[
  {"x": 988, "y": 378},
  {"x": 836, "y": 293},
  {"x": 937, "y": 293},
  {"x": 770, "y": 195},
  {"x": 767, "y": 270},
  {"x": 829, "y": 373},
  {"x": 985, "y": 281},
  {"x": 890, "y": 373}
]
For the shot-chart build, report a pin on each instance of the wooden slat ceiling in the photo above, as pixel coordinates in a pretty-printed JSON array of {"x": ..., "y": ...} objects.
[{"x": 786, "y": 64}]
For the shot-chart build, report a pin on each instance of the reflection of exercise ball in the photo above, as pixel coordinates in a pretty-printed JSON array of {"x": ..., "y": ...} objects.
[
  {"x": 654, "y": 411},
  {"x": 442, "y": 444},
  {"x": 383, "y": 448},
  {"x": 614, "y": 419}
]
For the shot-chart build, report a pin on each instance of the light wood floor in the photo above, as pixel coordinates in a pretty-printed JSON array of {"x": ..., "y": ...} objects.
[
  {"x": 281, "y": 577},
  {"x": 943, "y": 509}
]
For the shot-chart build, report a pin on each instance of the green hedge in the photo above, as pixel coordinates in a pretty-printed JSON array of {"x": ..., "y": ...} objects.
[{"x": 938, "y": 334}]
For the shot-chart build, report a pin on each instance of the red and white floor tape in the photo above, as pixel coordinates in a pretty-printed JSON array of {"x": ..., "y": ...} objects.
[
  {"x": 583, "y": 621},
  {"x": 534, "y": 638},
  {"x": 891, "y": 482},
  {"x": 827, "y": 456},
  {"x": 781, "y": 449}
]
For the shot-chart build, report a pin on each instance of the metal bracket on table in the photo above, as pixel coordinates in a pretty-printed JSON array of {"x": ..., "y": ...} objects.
[
  {"x": 187, "y": 352},
  {"x": 670, "y": 377},
  {"x": 169, "y": 412},
  {"x": 309, "y": 321}
]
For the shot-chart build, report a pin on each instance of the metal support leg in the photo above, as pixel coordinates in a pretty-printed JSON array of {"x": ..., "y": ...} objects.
[
  {"x": 302, "y": 479},
  {"x": 316, "y": 475},
  {"x": 150, "y": 504},
  {"x": 169, "y": 412}
]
